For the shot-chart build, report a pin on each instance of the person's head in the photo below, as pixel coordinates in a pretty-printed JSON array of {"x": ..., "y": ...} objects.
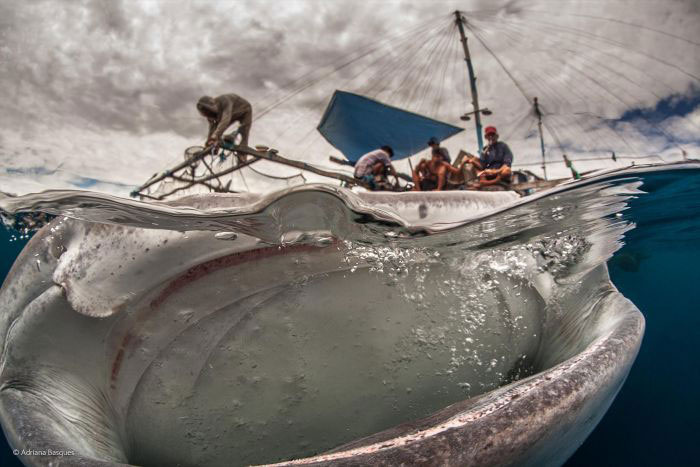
[
  {"x": 207, "y": 106},
  {"x": 491, "y": 133},
  {"x": 388, "y": 150},
  {"x": 434, "y": 143}
]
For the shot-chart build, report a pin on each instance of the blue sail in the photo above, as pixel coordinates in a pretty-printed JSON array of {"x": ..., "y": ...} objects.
[{"x": 356, "y": 125}]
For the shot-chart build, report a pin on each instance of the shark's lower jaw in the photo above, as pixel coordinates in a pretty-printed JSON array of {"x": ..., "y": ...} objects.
[{"x": 127, "y": 345}]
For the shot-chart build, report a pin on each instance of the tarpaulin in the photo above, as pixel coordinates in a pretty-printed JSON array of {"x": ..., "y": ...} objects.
[{"x": 356, "y": 125}]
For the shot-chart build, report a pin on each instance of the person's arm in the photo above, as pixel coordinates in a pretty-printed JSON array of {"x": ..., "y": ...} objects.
[
  {"x": 212, "y": 126},
  {"x": 474, "y": 161},
  {"x": 416, "y": 176},
  {"x": 500, "y": 175},
  {"x": 489, "y": 181},
  {"x": 507, "y": 155},
  {"x": 416, "y": 170},
  {"x": 224, "y": 120},
  {"x": 489, "y": 172},
  {"x": 448, "y": 167}
]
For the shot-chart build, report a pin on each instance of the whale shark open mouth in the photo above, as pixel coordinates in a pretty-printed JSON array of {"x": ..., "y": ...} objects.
[{"x": 316, "y": 326}]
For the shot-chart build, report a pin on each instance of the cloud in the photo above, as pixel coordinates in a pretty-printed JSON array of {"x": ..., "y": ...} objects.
[{"x": 105, "y": 90}]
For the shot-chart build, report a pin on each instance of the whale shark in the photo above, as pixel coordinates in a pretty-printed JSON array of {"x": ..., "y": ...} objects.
[{"x": 315, "y": 326}]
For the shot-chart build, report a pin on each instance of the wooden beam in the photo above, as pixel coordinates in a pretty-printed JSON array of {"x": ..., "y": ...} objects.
[
  {"x": 273, "y": 155},
  {"x": 197, "y": 156}
]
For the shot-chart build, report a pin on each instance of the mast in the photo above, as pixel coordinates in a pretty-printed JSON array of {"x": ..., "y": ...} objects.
[
  {"x": 472, "y": 79},
  {"x": 539, "y": 127}
]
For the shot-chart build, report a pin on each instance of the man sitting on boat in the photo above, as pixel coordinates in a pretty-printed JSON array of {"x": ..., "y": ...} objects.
[
  {"x": 493, "y": 166},
  {"x": 224, "y": 111},
  {"x": 372, "y": 167},
  {"x": 432, "y": 175},
  {"x": 436, "y": 148}
]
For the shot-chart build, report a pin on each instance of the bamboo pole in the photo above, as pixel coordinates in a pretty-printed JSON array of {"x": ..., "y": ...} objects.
[
  {"x": 182, "y": 165},
  {"x": 271, "y": 155},
  {"x": 539, "y": 127},
  {"x": 472, "y": 79},
  {"x": 205, "y": 179}
]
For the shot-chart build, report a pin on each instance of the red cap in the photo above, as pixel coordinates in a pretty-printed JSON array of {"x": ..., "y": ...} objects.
[{"x": 490, "y": 129}]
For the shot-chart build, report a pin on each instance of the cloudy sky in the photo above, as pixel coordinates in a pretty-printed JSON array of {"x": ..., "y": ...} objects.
[{"x": 101, "y": 94}]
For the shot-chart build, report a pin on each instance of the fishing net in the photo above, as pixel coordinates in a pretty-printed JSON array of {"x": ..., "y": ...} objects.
[{"x": 218, "y": 171}]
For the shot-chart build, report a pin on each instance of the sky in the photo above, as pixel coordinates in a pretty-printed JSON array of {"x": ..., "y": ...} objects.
[{"x": 100, "y": 95}]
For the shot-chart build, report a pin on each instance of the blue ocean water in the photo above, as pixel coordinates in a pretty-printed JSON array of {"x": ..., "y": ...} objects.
[{"x": 653, "y": 419}]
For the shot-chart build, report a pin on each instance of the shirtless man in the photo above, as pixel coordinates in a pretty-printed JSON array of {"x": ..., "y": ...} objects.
[{"x": 431, "y": 175}]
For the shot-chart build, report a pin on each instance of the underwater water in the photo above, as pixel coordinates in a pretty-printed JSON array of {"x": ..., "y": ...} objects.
[
  {"x": 651, "y": 214},
  {"x": 654, "y": 419}
]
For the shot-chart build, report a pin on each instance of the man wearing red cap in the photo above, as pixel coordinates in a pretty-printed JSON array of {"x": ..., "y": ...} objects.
[{"x": 493, "y": 166}]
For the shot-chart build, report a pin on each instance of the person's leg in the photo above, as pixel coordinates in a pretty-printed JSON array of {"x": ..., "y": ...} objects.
[
  {"x": 487, "y": 179},
  {"x": 369, "y": 180},
  {"x": 428, "y": 184},
  {"x": 420, "y": 174},
  {"x": 244, "y": 130},
  {"x": 416, "y": 180},
  {"x": 378, "y": 169},
  {"x": 506, "y": 174},
  {"x": 417, "y": 177}
]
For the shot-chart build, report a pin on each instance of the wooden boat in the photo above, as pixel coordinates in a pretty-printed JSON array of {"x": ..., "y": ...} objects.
[{"x": 353, "y": 124}]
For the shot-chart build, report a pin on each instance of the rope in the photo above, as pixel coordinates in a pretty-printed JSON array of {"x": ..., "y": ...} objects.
[
  {"x": 617, "y": 21},
  {"x": 278, "y": 177},
  {"x": 548, "y": 90},
  {"x": 334, "y": 70},
  {"x": 621, "y": 45}
]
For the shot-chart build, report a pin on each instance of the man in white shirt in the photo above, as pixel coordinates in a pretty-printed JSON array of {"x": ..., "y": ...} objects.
[{"x": 374, "y": 164}]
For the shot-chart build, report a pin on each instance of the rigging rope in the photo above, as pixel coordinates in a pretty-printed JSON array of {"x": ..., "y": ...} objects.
[
  {"x": 335, "y": 70},
  {"x": 549, "y": 43},
  {"x": 621, "y": 45},
  {"x": 614, "y": 20},
  {"x": 549, "y": 90}
]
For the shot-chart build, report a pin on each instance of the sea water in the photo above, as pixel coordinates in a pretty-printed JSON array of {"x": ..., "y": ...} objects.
[
  {"x": 654, "y": 269},
  {"x": 654, "y": 419}
]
